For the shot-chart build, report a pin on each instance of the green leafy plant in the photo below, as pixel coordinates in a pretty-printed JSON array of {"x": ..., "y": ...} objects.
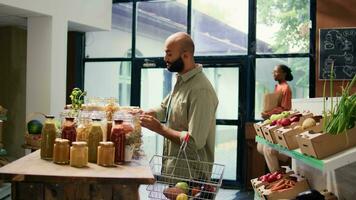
[
  {"x": 342, "y": 116},
  {"x": 77, "y": 98}
]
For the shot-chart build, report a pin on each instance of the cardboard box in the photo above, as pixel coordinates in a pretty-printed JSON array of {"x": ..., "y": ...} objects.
[
  {"x": 291, "y": 193},
  {"x": 268, "y": 133},
  {"x": 268, "y": 130},
  {"x": 257, "y": 183},
  {"x": 286, "y": 136},
  {"x": 321, "y": 145},
  {"x": 258, "y": 128}
]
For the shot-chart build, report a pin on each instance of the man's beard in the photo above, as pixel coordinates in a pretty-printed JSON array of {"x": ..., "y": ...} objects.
[{"x": 176, "y": 66}]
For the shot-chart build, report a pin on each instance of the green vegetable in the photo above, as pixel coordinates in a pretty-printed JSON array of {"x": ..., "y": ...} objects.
[
  {"x": 276, "y": 117},
  {"x": 34, "y": 127},
  {"x": 77, "y": 98},
  {"x": 343, "y": 115}
]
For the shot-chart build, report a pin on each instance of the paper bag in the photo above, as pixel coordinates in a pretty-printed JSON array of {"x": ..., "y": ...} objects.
[{"x": 271, "y": 100}]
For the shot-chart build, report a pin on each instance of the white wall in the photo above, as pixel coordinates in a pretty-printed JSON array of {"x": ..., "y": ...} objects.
[
  {"x": 92, "y": 13},
  {"x": 47, "y": 45}
]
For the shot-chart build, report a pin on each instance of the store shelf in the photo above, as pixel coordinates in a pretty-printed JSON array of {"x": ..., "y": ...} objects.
[{"x": 328, "y": 164}]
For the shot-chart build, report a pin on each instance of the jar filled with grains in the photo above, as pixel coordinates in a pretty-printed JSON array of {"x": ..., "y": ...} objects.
[
  {"x": 79, "y": 154},
  {"x": 61, "y": 151},
  {"x": 106, "y": 154}
]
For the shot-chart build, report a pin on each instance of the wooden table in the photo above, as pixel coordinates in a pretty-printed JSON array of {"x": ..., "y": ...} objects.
[{"x": 34, "y": 178}]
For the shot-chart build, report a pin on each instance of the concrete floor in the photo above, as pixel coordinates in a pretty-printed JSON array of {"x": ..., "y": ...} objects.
[{"x": 223, "y": 194}]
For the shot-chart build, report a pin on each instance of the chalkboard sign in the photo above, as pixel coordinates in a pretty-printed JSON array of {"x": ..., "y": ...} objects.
[{"x": 337, "y": 46}]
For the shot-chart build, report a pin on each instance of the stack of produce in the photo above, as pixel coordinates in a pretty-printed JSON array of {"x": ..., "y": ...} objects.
[
  {"x": 281, "y": 186},
  {"x": 183, "y": 191}
]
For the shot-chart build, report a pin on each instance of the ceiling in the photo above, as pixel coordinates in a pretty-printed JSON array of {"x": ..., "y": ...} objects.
[{"x": 10, "y": 16}]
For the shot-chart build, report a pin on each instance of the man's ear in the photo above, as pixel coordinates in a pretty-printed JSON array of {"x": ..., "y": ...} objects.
[{"x": 185, "y": 55}]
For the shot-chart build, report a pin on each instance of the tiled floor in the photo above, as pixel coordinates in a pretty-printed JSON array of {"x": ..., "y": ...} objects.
[{"x": 223, "y": 194}]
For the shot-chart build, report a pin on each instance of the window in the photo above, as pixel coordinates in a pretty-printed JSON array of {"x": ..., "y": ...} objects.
[
  {"x": 220, "y": 32},
  {"x": 220, "y": 27},
  {"x": 112, "y": 43},
  {"x": 108, "y": 77},
  {"x": 157, "y": 20},
  {"x": 283, "y": 26},
  {"x": 265, "y": 82}
]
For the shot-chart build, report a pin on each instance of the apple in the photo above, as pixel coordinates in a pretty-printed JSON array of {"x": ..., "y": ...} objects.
[
  {"x": 295, "y": 119},
  {"x": 183, "y": 186},
  {"x": 285, "y": 122},
  {"x": 273, "y": 123},
  {"x": 172, "y": 192},
  {"x": 182, "y": 196},
  {"x": 195, "y": 191},
  {"x": 279, "y": 176},
  {"x": 272, "y": 178}
]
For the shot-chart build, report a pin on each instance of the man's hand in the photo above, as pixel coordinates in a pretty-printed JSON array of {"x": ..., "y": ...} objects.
[
  {"x": 141, "y": 112},
  {"x": 151, "y": 123}
]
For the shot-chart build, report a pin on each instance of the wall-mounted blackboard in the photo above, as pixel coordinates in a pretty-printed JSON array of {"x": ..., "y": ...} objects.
[{"x": 338, "y": 46}]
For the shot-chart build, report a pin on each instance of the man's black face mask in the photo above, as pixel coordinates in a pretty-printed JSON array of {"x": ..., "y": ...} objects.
[{"x": 176, "y": 66}]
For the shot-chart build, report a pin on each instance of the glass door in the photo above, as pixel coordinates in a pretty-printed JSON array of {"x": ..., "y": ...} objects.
[{"x": 157, "y": 82}]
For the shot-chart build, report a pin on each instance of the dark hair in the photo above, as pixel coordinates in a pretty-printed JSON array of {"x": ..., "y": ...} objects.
[{"x": 288, "y": 71}]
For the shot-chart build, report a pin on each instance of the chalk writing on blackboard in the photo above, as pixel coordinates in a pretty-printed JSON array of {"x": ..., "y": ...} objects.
[{"x": 337, "y": 46}]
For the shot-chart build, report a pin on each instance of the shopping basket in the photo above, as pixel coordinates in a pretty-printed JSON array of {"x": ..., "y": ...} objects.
[{"x": 196, "y": 178}]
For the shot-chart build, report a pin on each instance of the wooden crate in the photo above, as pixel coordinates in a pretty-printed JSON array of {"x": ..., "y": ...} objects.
[
  {"x": 24, "y": 190},
  {"x": 321, "y": 145}
]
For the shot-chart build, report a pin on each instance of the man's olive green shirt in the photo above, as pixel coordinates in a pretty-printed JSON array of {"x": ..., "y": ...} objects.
[{"x": 191, "y": 109}]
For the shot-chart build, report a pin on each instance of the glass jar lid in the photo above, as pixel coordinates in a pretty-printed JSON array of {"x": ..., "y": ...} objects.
[
  {"x": 79, "y": 143},
  {"x": 61, "y": 141},
  {"x": 106, "y": 144}
]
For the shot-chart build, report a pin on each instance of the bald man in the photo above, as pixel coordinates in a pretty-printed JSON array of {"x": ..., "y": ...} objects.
[{"x": 189, "y": 109}]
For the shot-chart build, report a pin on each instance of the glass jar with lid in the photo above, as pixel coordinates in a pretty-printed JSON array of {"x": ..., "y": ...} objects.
[
  {"x": 95, "y": 136},
  {"x": 84, "y": 125},
  {"x": 79, "y": 154},
  {"x": 48, "y": 137},
  {"x": 122, "y": 126},
  {"x": 61, "y": 151},
  {"x": 106, "y": 154},
  {"x": 68, "y": 130}
]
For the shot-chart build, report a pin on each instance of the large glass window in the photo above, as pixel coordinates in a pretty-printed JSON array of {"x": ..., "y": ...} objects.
[
  {"x": 226, "y": 144},
  {"x": 220, "y": 33},
  {"x": 220, "y": 27},
  {"x": 265, "y": 82},
  {"x": 108, "y": 79},
  {"x": 157, "y": 20},
  {"x": 283, "y": 26},
  {"x": 116, "y": 42},
  {"x": 225, "y": 82}
]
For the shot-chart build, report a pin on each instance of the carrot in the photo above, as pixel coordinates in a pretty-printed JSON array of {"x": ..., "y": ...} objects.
[
  {"x": 278, "y": 188},
  {"x": 283, "y": 190}
]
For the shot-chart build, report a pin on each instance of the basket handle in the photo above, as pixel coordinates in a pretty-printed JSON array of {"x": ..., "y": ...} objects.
[{"x": 186, "y": 138}]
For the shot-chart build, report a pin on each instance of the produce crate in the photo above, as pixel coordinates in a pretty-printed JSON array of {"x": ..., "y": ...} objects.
[
  {"x": 257, "y": 183},
  {"x": 301, "y": 185},
  {"x": 268, "y": 133},
  {"x": 286, "y": 136},
  {"x": 268, "y": 130},
  {"x": 320, "y": 145},
  {"x": 258, "y": 127}
]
